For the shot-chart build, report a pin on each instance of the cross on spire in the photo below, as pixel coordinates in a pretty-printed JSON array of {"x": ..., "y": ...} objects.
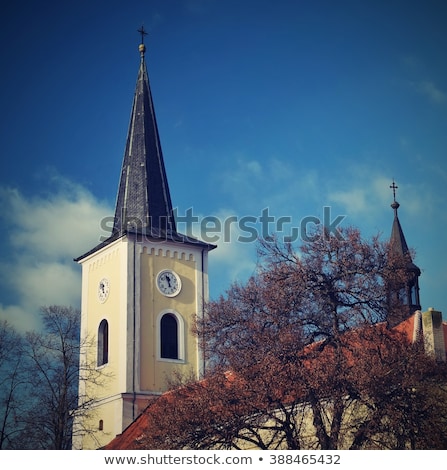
[
  {"x": 143, "y": 33},
  {"x": 394, "y": 187}
]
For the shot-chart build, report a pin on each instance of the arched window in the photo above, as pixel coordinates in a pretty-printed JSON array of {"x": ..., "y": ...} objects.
[
  {"x": 169, "y": 337},
  {"x": 103, "y": 343}
]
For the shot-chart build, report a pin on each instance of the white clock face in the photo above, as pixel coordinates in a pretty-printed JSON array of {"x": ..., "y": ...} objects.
[
  {"x": 169, "y": 283},
  {"x": 103, "y": 289}
]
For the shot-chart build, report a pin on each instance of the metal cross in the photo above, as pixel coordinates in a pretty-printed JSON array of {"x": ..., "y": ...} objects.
[
  {"x": 143, "y": 33},
  {"x": 394, "y": 187}
]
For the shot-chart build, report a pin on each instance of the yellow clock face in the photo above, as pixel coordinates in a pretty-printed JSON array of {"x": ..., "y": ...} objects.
[
  {"x": 169, "y": 283},
  {"x": 103, "y": 289}
]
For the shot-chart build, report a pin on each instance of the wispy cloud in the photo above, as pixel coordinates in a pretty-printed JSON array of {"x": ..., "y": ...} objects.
[
  {"x": 366, "y": 198},
  {"x": 430, "y": 90},
  {"x": 275, "y": 183},
  {"x": 426, "y": 87}
]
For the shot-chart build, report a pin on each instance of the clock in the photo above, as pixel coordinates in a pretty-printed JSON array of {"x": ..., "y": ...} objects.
[
  {"x": 169, "y": 283},
  {"x": 103, "y": 289}
]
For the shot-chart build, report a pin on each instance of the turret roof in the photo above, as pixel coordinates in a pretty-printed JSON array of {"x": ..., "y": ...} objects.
[{"x": 397, "y": 239}]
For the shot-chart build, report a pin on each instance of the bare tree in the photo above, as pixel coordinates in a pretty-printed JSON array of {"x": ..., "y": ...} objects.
[
  {"x": 12, "y": 386},
  {"x": 313, "y": 360},
  {"x": 52, "y": 373}
]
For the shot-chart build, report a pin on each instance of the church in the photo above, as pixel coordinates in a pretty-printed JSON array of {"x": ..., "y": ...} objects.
[{"x": 143, "y": 286}]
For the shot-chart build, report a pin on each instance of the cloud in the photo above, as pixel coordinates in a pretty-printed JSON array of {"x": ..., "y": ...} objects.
[
  {"x": 234, "y": 259},
  {"x": 426, "y": 87},
  {"x": 430, "y": 90},
  {"x": 367, "y": 196},
  {"x": 198, "y": 7},
  {"x": 43, "y": 234},
  {"x": 366, "y": 202},
  {"x": 276, "y": 183},
  {"x": 51, "y": 226},
  {"x": 231, "y": 262},
  {"x": 354, "y": 200}
]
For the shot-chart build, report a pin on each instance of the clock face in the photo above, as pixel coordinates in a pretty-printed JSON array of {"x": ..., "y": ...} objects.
[
  {"x": 169, "y": 283},
  {"x": 103, "y": 289}
]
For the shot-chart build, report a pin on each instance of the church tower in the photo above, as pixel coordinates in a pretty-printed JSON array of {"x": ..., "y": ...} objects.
[
  {"x": 141, "y": 289},
  {"x": 406, "y": 293}
]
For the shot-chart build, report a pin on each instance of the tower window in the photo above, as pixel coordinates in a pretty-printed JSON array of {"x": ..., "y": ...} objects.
[
  {"x": 103, "y": 343},
  {"x": 169, "y": 341}
]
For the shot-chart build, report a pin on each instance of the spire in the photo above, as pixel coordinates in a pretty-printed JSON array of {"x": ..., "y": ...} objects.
[
  {"x": 409, "y": 295},
  {"x": 397, "y": 239},
  {"x": 143, "y": 200}
]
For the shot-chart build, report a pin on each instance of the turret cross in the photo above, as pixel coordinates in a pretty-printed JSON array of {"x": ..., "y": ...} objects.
[{"x": 394, "y": 187}]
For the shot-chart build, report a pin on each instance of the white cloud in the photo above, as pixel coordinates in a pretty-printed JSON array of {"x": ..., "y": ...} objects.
[
  {"x": 366, "y": 197},
  {"x": 51, "y": 225},
  {"x": 46, "y": 282},
  {"x": 356, "y": 199},
  {"x": 45, "y": 233},
  {"x": 19, "y": 317}
]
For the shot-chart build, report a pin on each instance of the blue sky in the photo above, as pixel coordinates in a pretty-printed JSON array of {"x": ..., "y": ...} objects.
[{"x": 289, "y": 106}]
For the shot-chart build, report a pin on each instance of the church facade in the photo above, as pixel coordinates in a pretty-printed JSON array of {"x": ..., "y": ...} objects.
[{"x": 141, "y": 290}]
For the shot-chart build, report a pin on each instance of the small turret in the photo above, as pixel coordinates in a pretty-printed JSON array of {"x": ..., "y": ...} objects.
[{"x": 407, "y": 294}]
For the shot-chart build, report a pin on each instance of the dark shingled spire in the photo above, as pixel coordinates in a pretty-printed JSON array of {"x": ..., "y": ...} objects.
[{"x": 143, "y": 200}]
